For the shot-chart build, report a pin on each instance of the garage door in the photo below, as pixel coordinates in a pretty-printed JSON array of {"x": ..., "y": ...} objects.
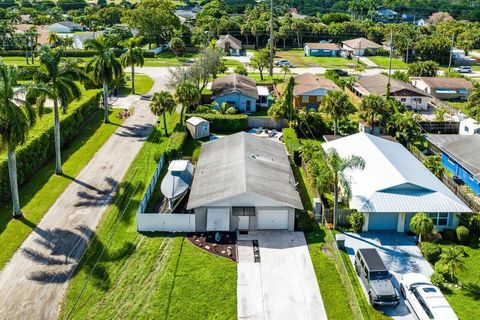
[
  {"x": 218, "y": 219},
  {"x": 272, "y": 219},
  {"x": 383, "y": 221}
]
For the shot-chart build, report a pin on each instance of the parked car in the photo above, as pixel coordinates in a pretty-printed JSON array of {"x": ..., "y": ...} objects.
[
  {"x": 463, "y": 69},
  {"x": 426, "y": 300},
  {"x": 283, "y": 62},
  {"x": 376, "y": 278},
  {"x": 340, "y": 72},
  {"x": 458, "y": 180}
]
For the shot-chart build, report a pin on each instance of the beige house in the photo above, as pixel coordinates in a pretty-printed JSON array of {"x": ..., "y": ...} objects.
[
  {"x": 361, "y": 47},
  {"x": 444, "y": 88}
]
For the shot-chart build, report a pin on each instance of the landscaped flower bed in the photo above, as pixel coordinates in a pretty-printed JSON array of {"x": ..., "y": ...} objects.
[{"x": 225, "y": 247}]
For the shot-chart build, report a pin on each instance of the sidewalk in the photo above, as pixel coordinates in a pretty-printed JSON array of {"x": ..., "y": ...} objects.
[
  {"x": 34, "y": 281},
  {"x": 368, "y": 62}
]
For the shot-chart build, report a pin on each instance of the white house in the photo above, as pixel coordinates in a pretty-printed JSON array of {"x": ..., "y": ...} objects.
[
  {"x": 243, "y": 182},
  {"x": 394, "y": 186},
  {"x": 361, "y": 47},
  {"x": 65, "y": 27},
  {"x": 469, "y": 126},
  {"x": 79, "y": 39}
]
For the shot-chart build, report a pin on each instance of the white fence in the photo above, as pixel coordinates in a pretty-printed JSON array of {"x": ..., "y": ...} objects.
[{"x": 164, "y": 222}]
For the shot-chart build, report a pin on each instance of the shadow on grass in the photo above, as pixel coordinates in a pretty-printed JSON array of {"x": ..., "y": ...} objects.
[{"x": 473, "y": 290}]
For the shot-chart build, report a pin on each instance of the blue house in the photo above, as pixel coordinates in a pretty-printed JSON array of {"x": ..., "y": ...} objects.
[
  {"x": 321, "y": 49},
  {"x": 238, "y": 91},
  {"x": 460, "y": 155}
]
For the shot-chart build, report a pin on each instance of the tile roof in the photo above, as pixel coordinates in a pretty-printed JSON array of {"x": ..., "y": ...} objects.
[
  {"x": 377, "y": 84},
  {"x": 234, "y": 83},
  {"x": 234, "y": 42},
  {"x": 308, "y": 82}
]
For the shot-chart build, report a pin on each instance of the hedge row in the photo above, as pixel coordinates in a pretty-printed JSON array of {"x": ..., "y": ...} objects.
[
  {"x": 73, "y": 53},
  {"x": 176, "y": 142},
  {"x": 292, "y": 144},
  {"x": 221, "y": 123},
  {"x": 40, "y": 145}
]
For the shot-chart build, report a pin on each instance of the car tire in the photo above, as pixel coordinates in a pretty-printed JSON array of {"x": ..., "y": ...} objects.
[
  {"x": 402, "y": 290},
  {"x": 370, "y": 300}
]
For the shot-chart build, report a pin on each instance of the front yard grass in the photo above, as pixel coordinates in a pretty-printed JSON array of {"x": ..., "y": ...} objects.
[
  {"x": 151, "y": 275},
  {"x": 168, "y": 59},
  {"x": 382, "y": 61},
  {"x": 296, "y": 56},
  {"x": 45, "y": 187},
  {"x": 143, "y": 84}
]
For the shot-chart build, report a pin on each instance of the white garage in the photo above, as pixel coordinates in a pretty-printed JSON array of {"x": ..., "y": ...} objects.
[
  {"x": 272, "y": 219},
  {"x": 218, "y": 219}
]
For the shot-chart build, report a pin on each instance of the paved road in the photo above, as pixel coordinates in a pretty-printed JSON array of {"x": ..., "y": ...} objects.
[
  {"x": 33, "y": 283},
  {"x": 283, "y": 285}
]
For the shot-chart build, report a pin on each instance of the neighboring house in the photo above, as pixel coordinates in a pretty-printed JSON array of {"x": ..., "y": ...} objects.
[
  {"x": 469, "y": 126},
  {"x": 394, "y": 186},
  {"x": 361, "y": 47},
  {"x": 185, "y": 15},
  {"x": 243, "y": 182},
  {"x": 230, "y": 45},
  {"x": 238, "y": 91},
  {"x": 386, "y": 14},
  {"x": 310, "y": 89},
  {"x": 42, "y": 32},
  {"x": 421, "y": 22},
  {"x": 65, "y": 27},
  {"x": 321, "y": 49},
  {"x": 444, "y": 88},
  {"x": 410, "y": 96},
  {"x": 79, "y": 38},
  {"x": 460, "y": 155},
  {"x": 295, "y": 15}
]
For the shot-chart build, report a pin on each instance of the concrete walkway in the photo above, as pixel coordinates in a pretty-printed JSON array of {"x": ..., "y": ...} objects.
[
  {"x": 369, "y": 63},
  {"x": 33, "y": 283},
  {"x": 283, "y": 285}
]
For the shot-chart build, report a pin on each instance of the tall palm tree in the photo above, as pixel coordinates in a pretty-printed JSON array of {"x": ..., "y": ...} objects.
[
  {"x": 404, "y": 127},
  {"x": 55, "y": 80},
  {"x": 54, "y": 39},
  {"x": 337, "y": 105},
  {"x": 16, "y": 118},
  {"x": 329, "y": 171},
  {"x": 285, "y": 69},
  {"x": 162, "y": 102},
  {"x": 434, "y": 164},
  {"x": 452, "y": 260},
  {"x": 372, "y": 108},
  {"x": 421, "y": 224},
  {"x": 188, "y": 95},
  {"x": 104, "y": 65},
  {"x": 133, "y": 56}
]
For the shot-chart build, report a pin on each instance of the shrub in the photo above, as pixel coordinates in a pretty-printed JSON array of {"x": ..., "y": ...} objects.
[
  {"x": 463, "y": 234},
  {"x": 176, "y": 141},
  {"x": 224, "y": 123},
  {"x": 241, "y": 69},
  {"x": 40, "y": 144},
  {"x": 475, "y": 223},
  {"x": 438, "y": 279},
  {"x": 449, "y": 235},
  {"x": 292, "y": 144},
  {"x": 431, "y": 251},
  {"x": 356, "y": 220}
]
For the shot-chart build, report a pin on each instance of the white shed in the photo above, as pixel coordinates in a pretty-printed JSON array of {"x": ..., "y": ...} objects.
[
  {"x": 469, "y": 126},
  {"x": 198, "y": 127}
]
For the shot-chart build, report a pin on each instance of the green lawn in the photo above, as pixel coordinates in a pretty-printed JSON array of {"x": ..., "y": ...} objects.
[
  {"x": 18, "y": 60},
  {"x": 465, "y": 300},
  {"x": 45, "y": 187},
  {"x": 168, "y": 59},
  {"x": 151, "y": 275},
  {"x": 298, "y": 59},
  {"x": 231, "y": 63},
  {"x": 382, "y": 61},
  {"x": 460, "y": 105},
  {"x": 143, "y": 84}
]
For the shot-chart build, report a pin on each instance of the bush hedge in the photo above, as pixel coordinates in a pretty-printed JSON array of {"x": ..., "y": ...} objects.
[
  {"x": 356, "y": 221},
  {"x": 438, "y": 279},
  {"x": 449, "y": 235},
  {"x": 224, "y": 123},
  {"x": 292, "y": 144},
  {"x": 463, "y": 234},
  {"x": 40, "y": 144},
  {"x": 176, "y": 142},
  {"x": 431, "y": 251}
]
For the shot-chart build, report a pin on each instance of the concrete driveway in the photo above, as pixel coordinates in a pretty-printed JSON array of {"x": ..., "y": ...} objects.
[
  {"x": 283, "y": 285},
  {"x": 400, "y": 255}
]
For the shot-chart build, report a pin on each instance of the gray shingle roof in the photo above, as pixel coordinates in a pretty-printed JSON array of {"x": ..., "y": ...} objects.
[
  {"x": 377, "y": 84},
  {"x": 234, "y": 42},
  {"x": 234, "y": 83},
  {"x": 361, "y": 43},
  {"x": 243, "y": 164}
]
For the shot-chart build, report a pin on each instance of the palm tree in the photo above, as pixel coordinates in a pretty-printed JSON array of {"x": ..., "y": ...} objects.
[
  {"x": 337, "y": 105},
  {"x": 162, "y": 102},
  {"x": 16, "y": 118},
  {"x": 404, "y": 127},
  {"x": 451, "y": 260},
  {"x": 133, "y": 56},
  {"x": 224, "y": 108},
  {"x": 55, "y": 80},
  {"x": 329, "y": 171},
  {"x": 434, "y": 164},
  {"x": 188, "y": 95},
  {"x": 372, "y": 108},
  {"x": 421, "y": 224},
  {"x": 285, "y": 69},
  {"x": 54, "y": 39},
  {"x": 104, "y": 66}
]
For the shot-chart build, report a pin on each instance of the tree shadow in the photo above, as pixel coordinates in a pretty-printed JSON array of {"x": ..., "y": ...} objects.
[
  {"x": 135, "y": 131},
  {"x": 473, "y": 290},
  {"x": 96, "y": 197}
]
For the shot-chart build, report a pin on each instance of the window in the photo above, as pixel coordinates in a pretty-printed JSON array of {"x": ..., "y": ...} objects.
[
  {"x": 403, "y": 99},
  {"x": 305, "y": 99},
  {"x": 249, "y": 106},
  {"x": 439, "y": 219},
  {"x": 465, "y": 129},
  {"x": 243, "y": 211}
]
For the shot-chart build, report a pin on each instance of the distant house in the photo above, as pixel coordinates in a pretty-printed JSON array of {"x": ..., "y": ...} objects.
[
  {"x": 79, "y": 39},
  {"x": 386, "y": 14},
  {"x": 295, "y": 15},
  {"x": 444, "y": 88},
  {"x": 243, "y": 182},
  {"x": 310, "y": 89},
  {"x": 65, "y": 27},
  {"x": 321, "y": 49},
  {"x": 394, "y": 186},
  {"x": 361, "y": 47},
  {"x": 460, "y": 155},
  {"x": 410, "y": 96},
  {"x": 42, "y": 32},
  {"x": 238, "y": 91},
  {"x": 469, "y": 126},
  {"x": 230, "y": 45}
]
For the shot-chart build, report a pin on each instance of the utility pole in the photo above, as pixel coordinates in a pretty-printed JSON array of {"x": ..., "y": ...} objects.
[
  {"x": 389, "y": 65},
  {"x": 451, "y": 52},
  {"x": 271, "y": 38}
]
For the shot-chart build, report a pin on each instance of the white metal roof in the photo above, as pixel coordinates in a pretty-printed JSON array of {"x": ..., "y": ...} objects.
[
  {"x": 195, "y": 120},
  {"x": 262, "y": 91},
  {"x": 393, "y": 179}
]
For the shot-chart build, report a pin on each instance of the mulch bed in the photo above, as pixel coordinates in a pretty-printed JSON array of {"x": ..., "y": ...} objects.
[{"x": 226, "y": 247}]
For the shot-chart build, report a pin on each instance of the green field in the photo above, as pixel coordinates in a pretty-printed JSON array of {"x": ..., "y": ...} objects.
[
  {"x": 383, "y": 62},
  {"x": 143, "y": 84},
  {"x": 296, "y": 56}
]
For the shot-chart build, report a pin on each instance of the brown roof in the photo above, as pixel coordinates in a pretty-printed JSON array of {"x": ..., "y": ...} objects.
[
  {"x": 323, "y": 46},
  {"x": 234, "y": 42},
  {"x": 308, "y": 82},
  {"x": 42, "y": 31},
  {"x": 377, "y": 84},
  {"x": 361, "y": 43},
  {"x": 234, "y": 83},
  {"x": 447, "y": 83}
]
